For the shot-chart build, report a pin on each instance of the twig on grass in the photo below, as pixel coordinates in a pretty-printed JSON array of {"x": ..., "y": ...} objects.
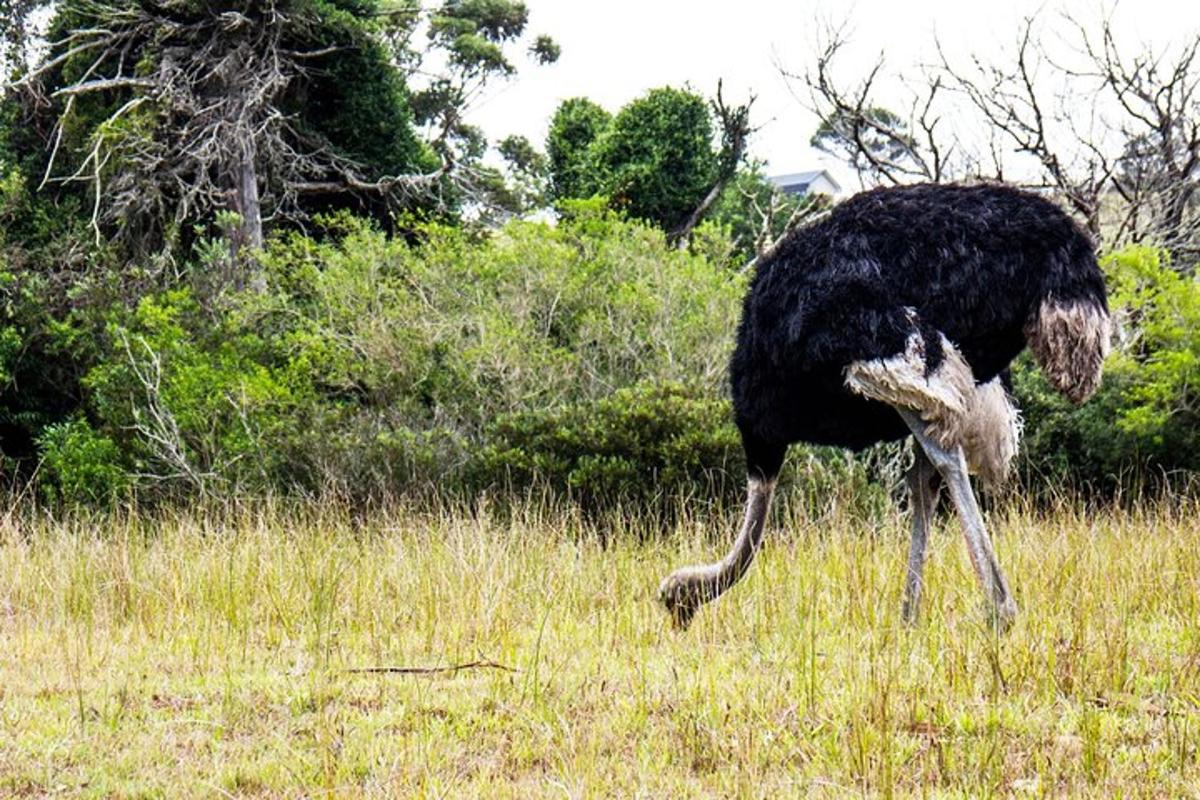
[{"x": 431, "y": 670}]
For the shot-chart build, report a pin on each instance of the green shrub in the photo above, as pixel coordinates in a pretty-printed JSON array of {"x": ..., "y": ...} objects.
[
  {"x": 1159, "y": 358},
  {"x": 588, "y": 356},
  {"x": 375, "y": 365},
  {"x": 643, "y": 443},
  {"x": 79, "y": 465},
  {"x": 194, "y": 399},
  {"x": 1142, "y": 429}
]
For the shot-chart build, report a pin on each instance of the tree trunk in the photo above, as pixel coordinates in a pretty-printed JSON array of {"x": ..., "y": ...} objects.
[{"x": 249, "y": 235}]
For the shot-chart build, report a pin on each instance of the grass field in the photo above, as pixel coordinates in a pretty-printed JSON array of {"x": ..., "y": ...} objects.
[{"x": 211, "y": 654}]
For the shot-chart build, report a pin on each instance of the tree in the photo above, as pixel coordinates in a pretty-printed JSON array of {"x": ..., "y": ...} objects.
[
  {"x": 735, "y": 134},
  {"x": 574, "y": 128},
  {"x": 871, "y": 140},
  {"x": 1129, "y": 168},
  {"x": 520, "y": 186},
  {"x": 528, "y": 173},
  {"x": 656, "y": 159},
  {"x": 757, "y": 213},
  {"x": 169, "y": 111},
  {"x": 875, "y": 140}
]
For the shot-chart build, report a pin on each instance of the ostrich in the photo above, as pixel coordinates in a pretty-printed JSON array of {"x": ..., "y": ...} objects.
[{"x": 896, "y": 315}]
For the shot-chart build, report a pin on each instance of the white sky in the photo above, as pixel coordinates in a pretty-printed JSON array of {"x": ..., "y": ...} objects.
[{"x": 615, "y": 50}]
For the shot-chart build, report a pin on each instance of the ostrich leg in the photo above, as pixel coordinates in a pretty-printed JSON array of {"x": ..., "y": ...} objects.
[
  {"x": 923, "y": 497},
  {"x": 952, "y": 465},
  {"x": 686, "y": 589}
]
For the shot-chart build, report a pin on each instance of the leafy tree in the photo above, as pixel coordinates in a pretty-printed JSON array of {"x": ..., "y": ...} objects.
[
  {"x": 657, "y": 159},
  {"x": 574, "y": 129},
  {"x": 521, "y": 185},
  {"x": 528, "y": 175}
]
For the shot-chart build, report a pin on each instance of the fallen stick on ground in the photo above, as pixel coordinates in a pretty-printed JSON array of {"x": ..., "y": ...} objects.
[{"x": 432, "y": 670}]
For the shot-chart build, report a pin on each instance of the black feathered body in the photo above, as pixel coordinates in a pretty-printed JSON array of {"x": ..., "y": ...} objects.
[{"x": 971, "y": 263}]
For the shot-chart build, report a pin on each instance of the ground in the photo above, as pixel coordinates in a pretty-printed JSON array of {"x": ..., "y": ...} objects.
[{"x": 212, "y": 654}]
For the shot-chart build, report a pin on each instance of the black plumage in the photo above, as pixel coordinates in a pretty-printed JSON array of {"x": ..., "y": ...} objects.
[{"x": 972, "y": 263}]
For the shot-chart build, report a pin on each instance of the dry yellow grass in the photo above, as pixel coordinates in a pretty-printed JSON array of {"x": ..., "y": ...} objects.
[{"x": 207, "y": 654}]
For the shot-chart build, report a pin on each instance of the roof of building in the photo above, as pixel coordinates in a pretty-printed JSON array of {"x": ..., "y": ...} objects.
[{"x": 803, "y": 179}]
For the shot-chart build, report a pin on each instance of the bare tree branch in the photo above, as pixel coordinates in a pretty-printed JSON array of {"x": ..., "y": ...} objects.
[
  {"x": 1121, "y": 147},
  {"x": 735, "y": 133}
]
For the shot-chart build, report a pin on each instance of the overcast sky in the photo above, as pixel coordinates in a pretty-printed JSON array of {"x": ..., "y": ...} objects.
[{"x": 615, "y": 50}]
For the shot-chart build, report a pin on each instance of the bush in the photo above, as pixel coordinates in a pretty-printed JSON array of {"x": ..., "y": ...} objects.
[
  {"x": 588, "y": 356},
  {"x": 80, "y": 466},
  {"x": 644, "y": 443},
  {"x": 194, "y": 400},
  {"x": 373, "y": 365},
  {"x": 653, "y": 443},
  {"x": 1142, "y": 429}
]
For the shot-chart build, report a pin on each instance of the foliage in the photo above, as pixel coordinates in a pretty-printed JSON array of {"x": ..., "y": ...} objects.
[
  {"x": 655, "y": 160},
  {"x": 43, "y": 308},
  {"x": 160, "y": 115},
  {"x": 588, "y": 356},
  {"x": 524, "y": 183},
  {"x": 360, "y": 104},
  {"x": 80, "y": 465},
  {"x": 16, "y": 18},
  {"x": 1143, "y": 427},
  {"x": 76, "y": 273},
  {"x": 644, "y": 444},
  {"x": 1160, "y": 360},
  {"x": 192, "y": 398},
  {"x": 574, "y": 129},
  {"x": 1064, "y": 445},
  {"x": 755, "y": 212},
  {"x": 372, "y": 364}
]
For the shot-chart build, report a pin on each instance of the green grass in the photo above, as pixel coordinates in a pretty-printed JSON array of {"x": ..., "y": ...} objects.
[{"x": 208, "y": 654}]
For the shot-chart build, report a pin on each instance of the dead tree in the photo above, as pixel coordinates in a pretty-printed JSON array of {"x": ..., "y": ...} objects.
[
  {"x": 882, "y": 147},
  {"x": 1115, "y": 136},
  {"x": 1157, "y": 173}
]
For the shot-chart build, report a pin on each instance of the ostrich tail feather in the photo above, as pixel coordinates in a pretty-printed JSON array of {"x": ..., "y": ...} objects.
[{"x": 1070, "y": 340}]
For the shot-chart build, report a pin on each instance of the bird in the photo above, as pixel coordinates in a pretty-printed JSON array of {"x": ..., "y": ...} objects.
[{"x": 898, "y": 314}]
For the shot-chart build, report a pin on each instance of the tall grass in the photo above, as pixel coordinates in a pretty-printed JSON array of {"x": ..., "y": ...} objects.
[{"x": 211, "y": 652}]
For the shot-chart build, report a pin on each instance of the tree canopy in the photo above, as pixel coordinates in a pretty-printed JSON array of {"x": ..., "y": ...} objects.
[
  {"x": 574, "y": 128},
  {"x": 658, "y": 158},
  {"x": 164, "y": 112}
]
